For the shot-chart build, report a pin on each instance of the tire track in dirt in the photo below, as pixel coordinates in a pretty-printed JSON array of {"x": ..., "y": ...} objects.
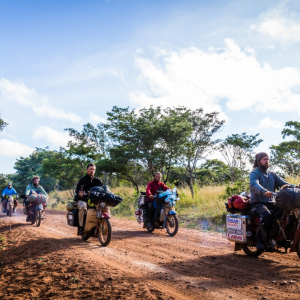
[{"x": 136, "y": 264}]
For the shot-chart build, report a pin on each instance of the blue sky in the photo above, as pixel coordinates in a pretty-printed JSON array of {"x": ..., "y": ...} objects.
[{"x": 66, "y": 63}]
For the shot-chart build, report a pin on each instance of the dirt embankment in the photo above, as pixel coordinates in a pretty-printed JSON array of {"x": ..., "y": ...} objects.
[{"x": 51, "y": 262}]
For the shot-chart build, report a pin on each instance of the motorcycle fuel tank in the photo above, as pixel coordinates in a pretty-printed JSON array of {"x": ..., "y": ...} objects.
[{"x": 239, "y": 228}]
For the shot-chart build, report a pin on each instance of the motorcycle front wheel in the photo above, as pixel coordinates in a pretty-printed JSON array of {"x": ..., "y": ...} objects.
[
  {"x": 38, "y": 218},
  {"x": 10, "y": 211},
  {"x": 104, "y": 232},
  {"x": 251, "y": 250},
  {"x": 172, "y": 225}
]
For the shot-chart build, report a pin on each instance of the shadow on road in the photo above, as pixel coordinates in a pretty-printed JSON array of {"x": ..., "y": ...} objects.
[{"x": 234, "y": 270}]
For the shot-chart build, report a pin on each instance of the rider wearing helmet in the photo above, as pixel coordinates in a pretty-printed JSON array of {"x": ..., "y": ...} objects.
[
  {"x": 263, "y": 184},
  {"x": 9, "y": 191},
  {"x": 34, "y": 188}
]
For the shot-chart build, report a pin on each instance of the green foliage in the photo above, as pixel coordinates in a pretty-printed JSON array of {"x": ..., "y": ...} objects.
[
  {"x": 238, "y": 150},
  {"x": 31, "y": 166},
  {"x": 235, "y": 188},
  {"x": 286, "y": 155},
  {"x": 3, "y": 124},
  {"x": 152, "y": 138},
  {"x": 213, "y": 171},
  {"x": 199, "y": 141}
]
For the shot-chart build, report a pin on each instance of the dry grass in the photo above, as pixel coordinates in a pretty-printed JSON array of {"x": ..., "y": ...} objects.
[{"x": 293, "y": 180}]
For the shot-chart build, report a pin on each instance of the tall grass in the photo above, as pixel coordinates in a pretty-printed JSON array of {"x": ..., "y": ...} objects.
[{"x": 293, "y": 179}]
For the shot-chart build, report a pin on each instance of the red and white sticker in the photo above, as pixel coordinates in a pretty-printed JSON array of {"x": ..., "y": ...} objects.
[
  {"x": 234, "y": 223},
  {"x": 235, "y": 237}
]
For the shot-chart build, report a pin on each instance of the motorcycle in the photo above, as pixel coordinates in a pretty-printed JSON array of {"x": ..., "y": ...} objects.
[
  {"x": 8, "y": 205},
  {"x": 97, "y": 219},
  {"x": 241, "y": 228},
  {"x": 165, "y": 215},
  {"x": 35, "y": 213},
  {"x": 36, "y": 204}
]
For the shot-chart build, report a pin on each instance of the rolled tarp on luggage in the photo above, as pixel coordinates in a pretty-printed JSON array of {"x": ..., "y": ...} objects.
[
  {"x": 288, "y": 199},
  {"x": 103, "y": 193},
  {"x": 37, "y": 198},
  {"x": 72, "y": 206}
]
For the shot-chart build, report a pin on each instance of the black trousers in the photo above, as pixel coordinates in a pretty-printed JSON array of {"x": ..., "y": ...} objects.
[
  {"x": 151, "y": 211},
  {"x": 267, "y": 212}
]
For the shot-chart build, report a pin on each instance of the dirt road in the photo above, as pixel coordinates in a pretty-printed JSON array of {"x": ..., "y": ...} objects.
[{"x": 51, "y": 262}]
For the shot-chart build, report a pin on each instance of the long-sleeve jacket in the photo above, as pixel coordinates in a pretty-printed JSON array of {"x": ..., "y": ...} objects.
[
  {"x": 85, "y": 183},
  {"x": 9, "y": 192},
  {"x": 37, "y": 189},
  {"x": 153, "y": 187},
  {"x": 262, "y": 181}
]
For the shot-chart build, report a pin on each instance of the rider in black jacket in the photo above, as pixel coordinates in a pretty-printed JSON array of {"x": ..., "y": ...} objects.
[{"x": 84, "y": 185}]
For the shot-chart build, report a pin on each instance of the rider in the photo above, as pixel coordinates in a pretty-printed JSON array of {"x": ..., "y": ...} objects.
[
  {"x": 9, "y": 190},
  {"x": 34, "y": 188},
  {"x": 84, "y": 185},
  {"x": 263, "y": 184},
  {"x": 152, "y": 188}
]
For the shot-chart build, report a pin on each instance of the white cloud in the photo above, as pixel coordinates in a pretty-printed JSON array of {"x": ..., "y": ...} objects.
[
  {"x": 279, "y": 24},
  {"x": 268, "y": 123},
  {"x": 19, "y": 93},
  {"x": 56, "y": 138},
  {"x": 196, "y": 78},
  {"x": 13, "y": 149},
  {"x": 96, "y": 119}
]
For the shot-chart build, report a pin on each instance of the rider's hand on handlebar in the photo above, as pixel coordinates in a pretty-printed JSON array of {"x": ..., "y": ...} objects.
[
  {"x": 80, "y": 193},
  {"x": 150, "y": 197},
  {"x": 268, "y": 194}
]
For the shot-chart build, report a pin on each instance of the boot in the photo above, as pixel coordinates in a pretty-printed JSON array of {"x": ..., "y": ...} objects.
[
  {"x": 81, "y": 230},
  {"x": 260, "y": 246}
]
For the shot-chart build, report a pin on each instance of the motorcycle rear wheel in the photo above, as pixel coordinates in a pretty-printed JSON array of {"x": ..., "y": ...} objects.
[
  {"x": 38, "y": 218},
  {"x": 104, "y": 232},
  {"x": 251, "y": 250},
  {"x": 172, "y": 225}
]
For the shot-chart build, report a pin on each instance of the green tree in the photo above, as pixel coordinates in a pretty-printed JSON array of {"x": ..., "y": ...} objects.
[
  {"x": 3, "y": 124},
  {"x": 64, "y": 169},
  {"x": 87, "y": 145},
  {"x": 213, "y": 171},
  {"x": 287, "y": 154},
  {"x": 198, "y": 142},
  {"x": 237, "y": 151},
  {"x": 153, "y": 138},
  {"x": 27, "y": 167}
]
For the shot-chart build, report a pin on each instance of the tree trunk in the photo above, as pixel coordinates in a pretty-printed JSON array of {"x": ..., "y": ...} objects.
[{"x": 190, "y": 184}]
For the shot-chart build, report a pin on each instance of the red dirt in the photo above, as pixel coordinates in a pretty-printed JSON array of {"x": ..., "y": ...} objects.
[{"x": 51, "y": 262}]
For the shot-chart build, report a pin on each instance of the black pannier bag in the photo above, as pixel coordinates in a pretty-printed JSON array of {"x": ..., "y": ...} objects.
[
  {"x": 103, "y": 193},
  {"x": 288, "y": 199},
  {"x": 72, "y": 218}
]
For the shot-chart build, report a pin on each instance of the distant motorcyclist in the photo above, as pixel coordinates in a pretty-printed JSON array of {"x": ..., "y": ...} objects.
[
  {"x": 9, "y": 191},
  {"x": 34, "y": 188},
  {"x": 84, "y": 185},
  {"x": 152, "y": 188},
  {"x": 263, "y": 184}
]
